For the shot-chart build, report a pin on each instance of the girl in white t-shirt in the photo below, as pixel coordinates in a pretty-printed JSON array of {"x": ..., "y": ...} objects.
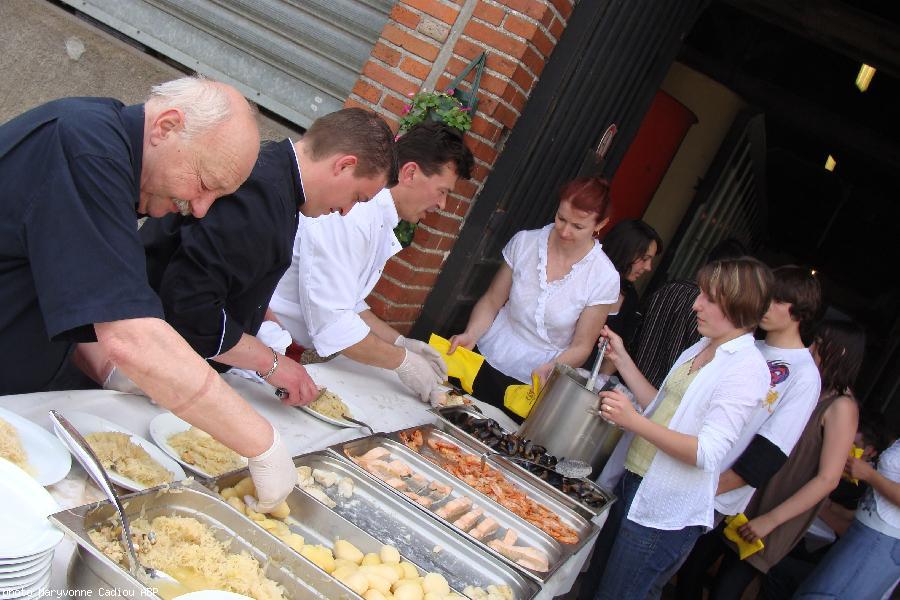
[{"x": 549, "y": 300}]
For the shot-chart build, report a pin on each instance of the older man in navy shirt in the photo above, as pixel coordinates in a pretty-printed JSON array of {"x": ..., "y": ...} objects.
[{"x": 74, "y": 174}]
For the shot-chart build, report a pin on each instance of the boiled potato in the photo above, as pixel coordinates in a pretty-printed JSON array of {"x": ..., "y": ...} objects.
[
  {"x": 238, "y": 503},
  {"x": 343, "y": 562},
  {"x": 376, "y": 582},
  {"x": 374, "y": 595},
  {"x": 228, "y": 492},
  {"x": 389, "y": 572},
  {"x": 433, "y": 596},
  {"x": 344, "y": 572},
  {"x": 389, "y": 554},
  {"x": 435, "y": 583},
  {"x": 409, "y": 590},
  {"x": 346, "y": 550},
  {"x": 255, "y": 516},
  {"x": 295, "y": 541},
  {"x": 245, "y": 487},
  {"x": 281, "y": 511},
  {"x": 319, "y": 556},
  {"x": 356, "y": 581},
  {"x": 371, "y": 559},
  {"x": 409, "y": 570}
]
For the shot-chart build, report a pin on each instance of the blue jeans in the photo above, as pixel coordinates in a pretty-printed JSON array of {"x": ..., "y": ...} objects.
[
  {"x": 864, "y": 564},
  {"x": 636, "y": 555}
]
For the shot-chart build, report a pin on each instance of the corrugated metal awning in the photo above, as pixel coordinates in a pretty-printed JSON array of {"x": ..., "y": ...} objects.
[{"x": 299, "y": 59}]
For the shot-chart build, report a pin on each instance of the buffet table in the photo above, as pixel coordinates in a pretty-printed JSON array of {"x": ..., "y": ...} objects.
[{"x": 388, "y": 406}]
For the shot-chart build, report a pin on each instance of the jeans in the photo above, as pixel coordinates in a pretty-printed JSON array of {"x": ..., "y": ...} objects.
[
  {"x": 864, "y": 564},
  {"x": 636, "y": 555}
]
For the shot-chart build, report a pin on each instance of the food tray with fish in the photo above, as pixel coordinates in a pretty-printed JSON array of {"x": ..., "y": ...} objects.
[
  {"x": 420, "y": 538},
  {"x": 544, "y": 507},
  {"x": 485, "y": 434},
  {"x": 424, "y": 484},
  {"x": 296, "y": 577}
]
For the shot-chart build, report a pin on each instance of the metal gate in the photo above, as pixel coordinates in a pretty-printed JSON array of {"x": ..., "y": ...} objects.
[
  {"x": 606, "y": 69},
  {"x": 297, "y": 58}
]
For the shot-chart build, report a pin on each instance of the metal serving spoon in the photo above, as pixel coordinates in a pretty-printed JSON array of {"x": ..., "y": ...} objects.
[
  {"x": 567, "y": 467},
  {"x": 81, "y": 450}
]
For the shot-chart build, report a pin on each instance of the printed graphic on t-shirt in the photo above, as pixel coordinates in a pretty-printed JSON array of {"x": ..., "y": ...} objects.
[{"x": 779, "y": 372}]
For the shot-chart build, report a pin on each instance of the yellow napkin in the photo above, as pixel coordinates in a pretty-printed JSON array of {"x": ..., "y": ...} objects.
[
  {"x": 745, "y": 548},
  {"x": 855, "y": 452},
  {"x": 520, "y": 399},
  {"x": 462, "y": 364}
]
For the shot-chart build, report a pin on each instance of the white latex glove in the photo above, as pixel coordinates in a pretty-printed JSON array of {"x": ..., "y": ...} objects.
[
  {"x": 119, "y": 382},
  {"x": 273, "y": 475},
  {"x": 417, "y": 374},
  {"x": 433, "y": 357}
]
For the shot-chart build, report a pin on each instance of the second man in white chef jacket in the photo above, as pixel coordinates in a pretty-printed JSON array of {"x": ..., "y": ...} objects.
[{"x": 338, "y": 260}]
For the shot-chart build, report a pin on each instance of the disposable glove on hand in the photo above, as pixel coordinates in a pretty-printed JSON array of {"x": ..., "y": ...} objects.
[
  {"x": 273, "y": 475},
  {"x": 119, "y": 382},
  {"x": 429, "y": 353},
  {"x": 417, "y": 374}
]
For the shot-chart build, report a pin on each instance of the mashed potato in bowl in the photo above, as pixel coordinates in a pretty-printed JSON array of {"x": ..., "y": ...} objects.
[{"x": 196, "y": 447}]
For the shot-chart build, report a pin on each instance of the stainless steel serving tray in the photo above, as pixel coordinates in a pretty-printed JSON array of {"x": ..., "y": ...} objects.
[
  {"x": 91, "y": 569},
  {"x": 420, "y": 539},
  {"x": 568, "y": 511},
  {"x": 445, "y": 424},
  {"x": 529, "y": 535}
]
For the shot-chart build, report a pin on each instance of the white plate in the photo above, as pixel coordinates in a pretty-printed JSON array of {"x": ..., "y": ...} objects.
[
  {"x": 87, "y": 423},
  {"x": 162, "y": 427},
  {"x": 18, "y": 570},
  {"x": 355, "y": 411},
  {"x": 24, "y": 506},
  {"x": 23, "y": 580},
  {"x": 32, "y": 591},
  {"x": 22, "y": 560},
  {"x": 46, "y": 455}
]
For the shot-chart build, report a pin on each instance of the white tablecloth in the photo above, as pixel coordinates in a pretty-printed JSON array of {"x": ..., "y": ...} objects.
[{"x": 389, "y": 406}]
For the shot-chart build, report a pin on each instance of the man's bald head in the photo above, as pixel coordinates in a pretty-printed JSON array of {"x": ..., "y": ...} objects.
[{"x": 201, "y": 142}]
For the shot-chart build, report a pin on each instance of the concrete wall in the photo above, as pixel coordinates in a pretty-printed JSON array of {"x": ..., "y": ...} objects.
[
  {"x": 716, "y": 108},
  {"x": 47, "y": 53}
]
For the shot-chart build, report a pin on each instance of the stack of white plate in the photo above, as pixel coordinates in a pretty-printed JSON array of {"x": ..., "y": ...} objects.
[{"x": 27, "y": 538}]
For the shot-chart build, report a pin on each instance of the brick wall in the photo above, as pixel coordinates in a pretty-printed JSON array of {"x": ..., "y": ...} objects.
[{"x": 423, "y": 46}]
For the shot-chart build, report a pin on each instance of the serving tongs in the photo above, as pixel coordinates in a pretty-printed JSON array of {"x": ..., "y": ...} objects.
[{"x": 82, "y": 451}]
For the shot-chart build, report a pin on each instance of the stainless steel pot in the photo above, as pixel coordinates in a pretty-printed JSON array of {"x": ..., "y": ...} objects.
[{"x": 561, "y": 421}]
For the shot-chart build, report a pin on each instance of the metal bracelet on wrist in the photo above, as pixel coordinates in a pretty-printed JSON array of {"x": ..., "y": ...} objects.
[{"x": 274, "y": 366}]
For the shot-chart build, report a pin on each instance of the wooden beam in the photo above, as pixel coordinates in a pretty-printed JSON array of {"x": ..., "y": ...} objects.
[
  {"x": 861, "y": 36},
  {"x": 820, "y": 122}
]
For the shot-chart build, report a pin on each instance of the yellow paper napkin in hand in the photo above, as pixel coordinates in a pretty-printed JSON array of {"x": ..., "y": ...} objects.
[
  {"x": 745, "y": 548},
  {"x": 520, "y": 399},
  {"x": 855, "y": 452},
  {"x": 462, "y": 364}
]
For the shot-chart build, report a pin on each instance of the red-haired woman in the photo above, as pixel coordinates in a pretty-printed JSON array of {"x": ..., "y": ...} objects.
[{"x": 549, "y": 300}]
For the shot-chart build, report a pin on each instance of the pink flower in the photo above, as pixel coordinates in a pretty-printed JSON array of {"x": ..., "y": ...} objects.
[
  {"x": 396, "y": 137},
  {"x": 449, "y": 91},
  {"x": 407, "y": 108},
  {"x": 411, "y": 94},
  {"x": 464, "y": 109}
]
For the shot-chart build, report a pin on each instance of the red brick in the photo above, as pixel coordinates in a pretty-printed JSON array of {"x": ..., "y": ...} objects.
[
  {"x": 564, "y": 7},
  {"x": 443, "y": 83},
  {"x": 393, "y": 290},
  {"x": 366, "y": 91},
  {"x": 404, "y": 16},
  {"x": 430, "y": 240},
  {"x": 480, "y": 172},
  {"x": 506, "y": 116},
  {"x": 445, "y": 13},
  {"x": 523, "y": 78},
  {"x": 487, "y": 12},
  {"x": 465, "y": 188},
  {"x": 386, "y": 55},
  {"x": 417, "y": 69},
  {"x": 486, "y": 129},
  {"x": 419, "y": 258},
  {"x": 391, "y": 312},
  {"x": 543, "y": 43},
  {"x": 533, "y": 9},
  {"x": 393, "y": 81},
  {"x": 533, "y": 61},
  {"x": 394, "y": 105},
  {"x": 556, "y": 28},
  {"x": 502, "y": 42},
  {"x": 547, "y": 18},
  {"x": 420, "y": 48},
  {"x": 407, "y": 275},
  {"x": 486, "y": 104},
  {"x": 458, "y": 206},
  {"x": 354, "y": 103},
  {"x": 482, "y": 151},
  {"x": 519, "y": 26},
  {"x": 443, "y": 223},
  {"x": 494, "y": 85}
]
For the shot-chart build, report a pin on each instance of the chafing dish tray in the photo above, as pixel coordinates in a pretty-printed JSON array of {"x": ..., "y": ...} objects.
[
  {"x": 90, "y": 569},
  {"x": 581, "y": 493},
  {"x": 528, "y": 535},
  {"x": 420, "y": 539}
]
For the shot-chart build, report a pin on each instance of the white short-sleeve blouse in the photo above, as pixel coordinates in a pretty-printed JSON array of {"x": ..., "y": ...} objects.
[{"x": 538, "y": 321}]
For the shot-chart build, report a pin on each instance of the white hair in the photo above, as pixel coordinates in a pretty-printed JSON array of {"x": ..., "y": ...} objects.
[{"x": 205, "y": 103}]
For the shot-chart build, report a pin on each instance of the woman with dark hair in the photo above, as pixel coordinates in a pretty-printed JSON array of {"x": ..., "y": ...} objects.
[
  {"x": 782, "y": 510},
  {"x": 631, "y": 246},
  {"x": 549, "y": 299}
]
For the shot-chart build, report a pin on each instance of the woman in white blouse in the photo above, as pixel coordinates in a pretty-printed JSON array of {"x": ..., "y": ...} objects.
[
  {"x": 549, "y": 300},
  {"x": 666, "y": 467}
]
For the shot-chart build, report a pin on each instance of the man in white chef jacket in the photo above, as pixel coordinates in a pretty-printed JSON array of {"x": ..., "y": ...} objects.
[{"x": 337, "y": 261}]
